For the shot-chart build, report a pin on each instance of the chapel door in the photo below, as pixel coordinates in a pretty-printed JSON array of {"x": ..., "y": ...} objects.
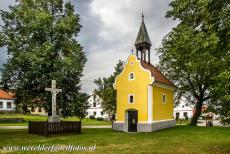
[{"x": 132, "y": 121}]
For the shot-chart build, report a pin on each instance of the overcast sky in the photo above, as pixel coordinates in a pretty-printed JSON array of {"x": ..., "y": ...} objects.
[{"x": 109, "y": 31}]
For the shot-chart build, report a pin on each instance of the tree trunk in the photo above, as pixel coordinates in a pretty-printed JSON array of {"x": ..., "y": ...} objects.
[{"x": 197, "y": 113}]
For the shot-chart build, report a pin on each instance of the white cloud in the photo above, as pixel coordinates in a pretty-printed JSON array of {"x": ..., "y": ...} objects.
[
  {"x": 109, "y": 31},
  {"x": 120, "y": 21}
]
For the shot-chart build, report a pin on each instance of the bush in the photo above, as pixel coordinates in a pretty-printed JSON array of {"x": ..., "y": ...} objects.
[
  {"x": 100, "y": 118},
  {"x": 92, "y": 117}
]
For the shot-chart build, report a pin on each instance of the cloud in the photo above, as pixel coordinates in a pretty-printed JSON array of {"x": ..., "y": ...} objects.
[
  {"x": 119, "y": 24},
  {"x": 110, "y": 29}
]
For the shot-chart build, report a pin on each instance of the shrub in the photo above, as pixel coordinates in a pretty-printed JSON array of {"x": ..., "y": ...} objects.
[
  {"x": 100, "y": 118},
  {"x": 92, "y": 117}
]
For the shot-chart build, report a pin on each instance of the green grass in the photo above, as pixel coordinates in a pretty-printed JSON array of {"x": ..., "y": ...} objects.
[
  {"x": 85, "y": 122},
  {"x": 181, "y": 139},
  {"x": 182, "y": 122}
]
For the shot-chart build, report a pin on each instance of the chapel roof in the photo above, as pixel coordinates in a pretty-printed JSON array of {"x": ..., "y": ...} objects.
[
  {"x": 5, "y": 95},
  {"x": 159, "y": 77}
]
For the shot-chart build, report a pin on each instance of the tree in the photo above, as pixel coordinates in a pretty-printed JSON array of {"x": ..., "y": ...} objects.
[
  {"x": 106, "y": 91},
  {"x": 195, "y": 51},
  {"x": 80, "y": 106},
  {"x": 221, "y": 93},
  {"x": 40, "y": 36}
]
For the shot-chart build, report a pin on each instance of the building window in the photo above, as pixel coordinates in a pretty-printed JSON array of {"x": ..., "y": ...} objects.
[
  {"x": 1, "y": 105},
  {"x": 102, "y": 113},
  {"x": 87, "y": 113},
  {"x": 131, "y": 76},
  {"x": 39, "y": 109},
  {"x": 164, "y": 98},
  {"x": 185, "y": 114},
  {"x": 94, "y": 113},
  {"x": 131, "y": 98},
  {"x": 9, "y": 105},
  {"x": 94, "y": 104},
  {"x": 182, "y": 106}
]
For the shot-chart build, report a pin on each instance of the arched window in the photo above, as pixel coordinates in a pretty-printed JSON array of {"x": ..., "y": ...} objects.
[{"x": 131, "y": 76}]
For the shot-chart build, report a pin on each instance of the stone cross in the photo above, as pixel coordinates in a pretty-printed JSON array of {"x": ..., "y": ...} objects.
[{"x": 54, "y": 91}]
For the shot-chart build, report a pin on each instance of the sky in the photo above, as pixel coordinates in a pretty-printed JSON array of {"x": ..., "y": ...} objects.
[{"x": 109, "y": 31}]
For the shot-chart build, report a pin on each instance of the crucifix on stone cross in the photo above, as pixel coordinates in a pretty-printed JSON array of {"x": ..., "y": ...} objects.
[{"x": 54, "y": 91}]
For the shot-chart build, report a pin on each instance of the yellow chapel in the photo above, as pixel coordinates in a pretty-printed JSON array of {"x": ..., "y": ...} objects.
[{"x": 144, "y": 94}]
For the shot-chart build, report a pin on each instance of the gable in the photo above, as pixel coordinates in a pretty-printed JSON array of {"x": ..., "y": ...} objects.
[
  {"x": 143, "y": 71},
  {"x": 142, "y": 76}
]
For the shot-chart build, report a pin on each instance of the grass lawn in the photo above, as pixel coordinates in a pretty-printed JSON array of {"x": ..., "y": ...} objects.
[
  {"x": 181, "y": 139},
  {"x": 182, "y": 122},
  {"x": 85, "y": 122}
]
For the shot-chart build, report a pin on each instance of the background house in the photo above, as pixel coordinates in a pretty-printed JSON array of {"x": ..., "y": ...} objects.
[
  {"x": 95, "y": 107},
  {"x": 38, "y": 111},
  {"x": 6, "y": 101},
  {"x": 183, "y": 110}
]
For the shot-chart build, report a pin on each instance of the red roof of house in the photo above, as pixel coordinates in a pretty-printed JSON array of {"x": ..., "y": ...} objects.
[
  {"x": 159, "y": 77},
  {"x": 5, "y": 95}
]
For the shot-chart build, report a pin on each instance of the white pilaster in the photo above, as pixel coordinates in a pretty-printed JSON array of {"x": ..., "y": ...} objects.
[{"x": 150, "y": 103}]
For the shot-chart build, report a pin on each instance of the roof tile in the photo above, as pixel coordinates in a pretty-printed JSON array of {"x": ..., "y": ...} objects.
[
  {"x": 159, "y": 77},
  {"x": 5, "y": 95}
]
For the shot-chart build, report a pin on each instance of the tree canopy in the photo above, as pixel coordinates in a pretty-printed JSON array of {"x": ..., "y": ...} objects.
[
  {"x": 40, "y": 36},
  {"x": 195, "y": 52},
  {"x": 106, "y": 91}
]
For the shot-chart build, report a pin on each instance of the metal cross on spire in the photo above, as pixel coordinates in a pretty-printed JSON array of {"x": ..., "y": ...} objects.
[{"x": 143, "y": 17}]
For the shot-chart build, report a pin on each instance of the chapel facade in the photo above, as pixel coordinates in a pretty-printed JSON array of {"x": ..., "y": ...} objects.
[{"x": 144, "y": 94}]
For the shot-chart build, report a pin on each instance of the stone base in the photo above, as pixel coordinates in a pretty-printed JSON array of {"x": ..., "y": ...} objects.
[
  {"x": 118, "y": 126},
  {"x": 54, "y": 119},
  {"x": 145, "y": 126}
]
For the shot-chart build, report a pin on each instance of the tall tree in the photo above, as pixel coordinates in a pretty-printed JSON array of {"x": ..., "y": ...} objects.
[
  {"x": 195, "y": 51},
  {"x": 80, "y": 106},
  {"x": 106, "y": 91},
  {"x": 221, "y": 94},
  {"x": 40, "y": 36}
]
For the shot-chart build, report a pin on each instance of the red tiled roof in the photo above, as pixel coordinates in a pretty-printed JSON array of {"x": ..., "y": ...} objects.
[
  {"x": 5, "y": 95},
  {"x": 159, "y": 77}
]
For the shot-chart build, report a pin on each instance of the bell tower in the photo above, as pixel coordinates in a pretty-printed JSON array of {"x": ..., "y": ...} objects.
[{"x": 143, "y": 43}]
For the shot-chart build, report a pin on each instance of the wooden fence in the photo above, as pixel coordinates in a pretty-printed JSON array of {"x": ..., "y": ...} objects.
[{"x": 50, "y": 128}]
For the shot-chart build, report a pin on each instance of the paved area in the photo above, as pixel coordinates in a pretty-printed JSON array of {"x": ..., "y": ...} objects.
[
  {"x": 26, "y": 127},
  {"x": 215, "y": 123}
]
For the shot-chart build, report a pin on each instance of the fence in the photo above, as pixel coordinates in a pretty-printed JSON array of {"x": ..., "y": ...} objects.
[{"x": 50, "y": 128}]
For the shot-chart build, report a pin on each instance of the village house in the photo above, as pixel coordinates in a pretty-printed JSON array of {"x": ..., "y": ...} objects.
[
  {"x": 6, "y": 101},
  {"x": 183, "y": 111},
  {"x": 95, "y": 107},
  {"x": 144, "y": 94}
]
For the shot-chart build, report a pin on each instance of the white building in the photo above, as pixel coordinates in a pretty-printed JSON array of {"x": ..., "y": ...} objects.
[
  {"x": 183, "y": 110},
  {"x": 6, "y": 102},
  {"x": 95, "y": 108}
]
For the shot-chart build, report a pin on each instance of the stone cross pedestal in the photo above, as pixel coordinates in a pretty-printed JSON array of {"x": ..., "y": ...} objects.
[{"x": 54, "y": 91}]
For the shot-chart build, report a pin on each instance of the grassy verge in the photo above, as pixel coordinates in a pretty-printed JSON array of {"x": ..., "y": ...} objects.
[
  {"x": 182, "y": 122},
  {"x": 85, "y": 122},
  {"x": 181, "y": 139}
]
